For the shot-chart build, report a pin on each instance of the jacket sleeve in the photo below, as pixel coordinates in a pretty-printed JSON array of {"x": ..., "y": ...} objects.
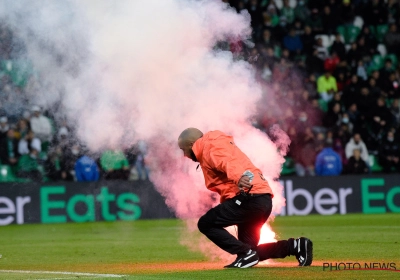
[
  {"x": 227, "y": 158},
  {"x": 340, "y": 165},
  {"x": 318, "y": 164},
  {"x": 78, "y": 170},
  {"x": 364, "y": 152}
]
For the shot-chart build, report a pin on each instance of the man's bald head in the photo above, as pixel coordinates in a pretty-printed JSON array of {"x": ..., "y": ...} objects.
[{"x": 186, "y": 140}]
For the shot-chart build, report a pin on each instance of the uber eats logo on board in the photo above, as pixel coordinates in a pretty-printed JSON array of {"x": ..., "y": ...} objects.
[
  {"x": 52, "y": 205},
  {"x": 376, "y": 200}
]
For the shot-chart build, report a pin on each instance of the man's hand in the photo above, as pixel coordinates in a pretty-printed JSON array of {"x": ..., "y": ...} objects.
[{"x": 244, "y": 182}]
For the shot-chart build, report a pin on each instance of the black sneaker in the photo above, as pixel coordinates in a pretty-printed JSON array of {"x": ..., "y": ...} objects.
[
  {"x": 303, "y": 248},
  {"x": 244, "y": 261}
]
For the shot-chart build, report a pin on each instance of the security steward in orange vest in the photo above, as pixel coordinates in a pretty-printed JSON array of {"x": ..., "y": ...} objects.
[{"x": 246, "y": 201}]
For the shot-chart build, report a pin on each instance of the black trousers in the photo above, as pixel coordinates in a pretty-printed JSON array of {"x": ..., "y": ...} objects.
[{"x": 249, "y": 217}]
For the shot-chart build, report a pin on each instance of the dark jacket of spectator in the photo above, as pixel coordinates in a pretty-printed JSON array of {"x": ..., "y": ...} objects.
[
  {"x": 389, "y": 153},
  {"x": 339, "y": 47},
  {"x": 9, "y": 148},
  {"x": 356, "y": 165},
  {"x": 375, "y": 13},
  {"x": 292, "y": 42}
]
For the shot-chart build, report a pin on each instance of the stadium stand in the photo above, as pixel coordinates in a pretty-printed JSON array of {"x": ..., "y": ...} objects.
[{"x": 356, "y": 42}]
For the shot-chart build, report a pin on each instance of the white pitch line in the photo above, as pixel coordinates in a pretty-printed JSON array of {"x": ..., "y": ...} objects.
[{"x": 63, "y": 273}]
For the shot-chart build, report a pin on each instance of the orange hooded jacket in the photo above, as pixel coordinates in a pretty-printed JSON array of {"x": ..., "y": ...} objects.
[{"x": 223, "y": 164}]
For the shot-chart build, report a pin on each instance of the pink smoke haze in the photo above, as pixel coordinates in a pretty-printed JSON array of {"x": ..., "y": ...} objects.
[{"x": 147, "y": 70}]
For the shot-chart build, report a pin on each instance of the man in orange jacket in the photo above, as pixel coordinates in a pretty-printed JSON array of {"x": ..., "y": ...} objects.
[{"x": 246, "y": 201}]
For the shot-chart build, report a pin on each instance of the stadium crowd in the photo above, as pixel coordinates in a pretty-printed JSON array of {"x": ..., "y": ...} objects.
[
  {"x": 332, "y": 67},
  {"x": 330, "y": 75}
]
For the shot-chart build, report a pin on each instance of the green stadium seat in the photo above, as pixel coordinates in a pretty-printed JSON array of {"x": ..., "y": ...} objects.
[
  {"x": 377, "y": 63},
  {"x": 288, "y": 166},
  {"x": 374, "y": 164},
  {"x": 381, "y": 31},
  {"x": 323, "y": 105},
  {"x": 7, "y": 175},
  {"x": 277, "y": 51},
  {"x": 394, "y": 59},
  {"x": 342, "y": 30},
  {"x": 349, "y": 33},
  {"x": 352, "y": 33}
]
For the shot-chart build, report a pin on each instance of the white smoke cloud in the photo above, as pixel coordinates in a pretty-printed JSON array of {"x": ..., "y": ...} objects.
[{"x": 128, "y": 70}]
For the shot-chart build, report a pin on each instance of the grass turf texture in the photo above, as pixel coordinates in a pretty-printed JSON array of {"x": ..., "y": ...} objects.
[{"x": 150, "y": 249}]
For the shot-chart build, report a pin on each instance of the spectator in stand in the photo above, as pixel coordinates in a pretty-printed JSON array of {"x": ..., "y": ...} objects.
[
  {"x": 29, "y": 142},
  {"x": 22, "y": 129},
  {"x": 310, "y": 84},
  {"x": 322, "y": 51},
  {"x": 341, "y": 81},
  {"x": 315, "y": 22},
  {"x": 394, "y": 10},
  {"x": 361, "y": 71},
  {"x": 375, "y": 13},
  {"x": 328, "y": 162},
  {"x": 254, "y": 9},
  {"x": 369, "y": 39},
  {"x": 55, "y": 165},
  {"x": 314, "y": 64},
  {"x": 301, "y": 11},
  {"x": 376, "y": 76},
  {"x": 333, "y": 116},
  {"x": 293, "y": 43},
  {"x": 329, "y": 21},
  {"x": 40, "y": 125},
  {"x": 267, "y": 40},
  {"x": 115, "y": 165},
  {"x": 389, "y": 153},
  {"x": 319, "y": 142},
  {"x": 70, "y": 156},
  {"x": 315, "y": 114},
  {"x": 354, "y": 115},
  {"x": 380, "y": 115},
  {"x": 339, "y": 47},
  {"x": 8, "y": 148},
  {"x": 346, "y": 121},
  {"x": 288, "y": 12},
  {"x": 387, "y": 69},
  {"x": 356, "y": 165},
  {"x": 353, "y": 56},
  {"x": 346, "y": 12},
  {"x": 343, "y": 134},
  {"x": 270, "y": 58},
  {"x": 365, "y": 102},
  {"x": 63, "y": 140},
  {"x": 4, "y": 127},
  {"x": 373, "y": 88},
  {"x": 395, "y": 111},
  {"x": 363, "y": 51},
  {"x": 308, "y": 41},
  {"x": 305, "y": 154},
  {"x": 86, "y": 170},
  {"x": 326, "y": 86},
  {"x": 357, "y": 143},
  {"x": 298, "y": 27},
  {"x": 338, "y": 148},
  {"x": 392, "y": 40},
  {"x": 337, "y": 98},
  {"x": 331, "y": 62},
  {"x": 281, "y": 70},
  {"x": 28, "y": 166}
]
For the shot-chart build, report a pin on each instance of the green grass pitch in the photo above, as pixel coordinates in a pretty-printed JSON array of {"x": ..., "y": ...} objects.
[{"x": 150, "y": 249}]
